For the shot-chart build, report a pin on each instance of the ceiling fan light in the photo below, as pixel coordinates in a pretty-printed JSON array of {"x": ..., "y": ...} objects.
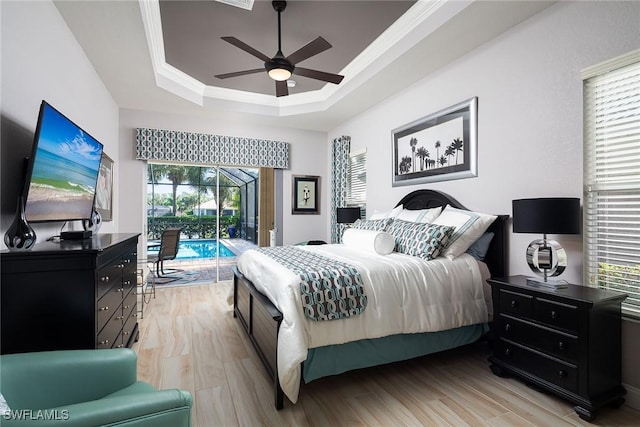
[{"x": 279, "y": 74}]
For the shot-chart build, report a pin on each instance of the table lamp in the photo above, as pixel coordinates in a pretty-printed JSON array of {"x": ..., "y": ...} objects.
[{"x": 553, "y": 215}]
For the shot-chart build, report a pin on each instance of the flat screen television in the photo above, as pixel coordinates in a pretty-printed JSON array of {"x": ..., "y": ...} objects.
[{"x": 63, "y": 170}]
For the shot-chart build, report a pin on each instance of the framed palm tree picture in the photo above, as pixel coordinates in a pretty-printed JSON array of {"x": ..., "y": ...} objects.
[{"x": 439, "y": 147}]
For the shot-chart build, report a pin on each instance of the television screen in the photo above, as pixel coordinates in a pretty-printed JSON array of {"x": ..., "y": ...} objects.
[{"x": 63, "y": 170}]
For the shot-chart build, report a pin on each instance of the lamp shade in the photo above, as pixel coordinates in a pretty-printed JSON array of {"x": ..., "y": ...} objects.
[
  {"x": 347, "y": 215},
  {"x": 554, "y": 215}
]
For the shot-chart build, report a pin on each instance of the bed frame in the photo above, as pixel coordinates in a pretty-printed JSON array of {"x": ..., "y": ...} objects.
[{"x": 261, "y": 319}]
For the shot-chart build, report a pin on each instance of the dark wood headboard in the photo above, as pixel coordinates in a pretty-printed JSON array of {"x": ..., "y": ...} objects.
[{"x": 497, "y": 258}]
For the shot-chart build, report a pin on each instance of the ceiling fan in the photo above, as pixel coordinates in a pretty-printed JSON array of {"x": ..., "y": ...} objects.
[{"x": 280, "y": 68}]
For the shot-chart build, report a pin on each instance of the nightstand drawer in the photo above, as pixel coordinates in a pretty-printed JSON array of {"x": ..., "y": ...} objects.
[
  {"x": 554, "y": 343},
  {"x": 517, "y": 304},
  {"x": 556, "y": 314},
  {"x": 562, "y": 374}
]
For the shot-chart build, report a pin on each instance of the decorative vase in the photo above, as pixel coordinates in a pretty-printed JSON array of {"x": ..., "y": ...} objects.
[
  {"x": 20, "y": 235},
  {"x": 93, "y": 224}
]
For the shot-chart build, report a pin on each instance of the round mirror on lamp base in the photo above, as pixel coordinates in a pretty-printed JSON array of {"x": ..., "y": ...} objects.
[{"x": 548, "y": 259}]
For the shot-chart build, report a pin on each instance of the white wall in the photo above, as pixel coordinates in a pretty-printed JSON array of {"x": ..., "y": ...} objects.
[
  {"x": 41, "y": 59},
  {"x": 307, "y": 156},
  {"x": 529, "y": 127},
  {"x": 530, "y": 114}
]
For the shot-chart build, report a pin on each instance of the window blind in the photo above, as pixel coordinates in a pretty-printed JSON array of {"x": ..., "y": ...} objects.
[
  {"x": 612, "y": 178},
  {"x": 357, "y": 181}
]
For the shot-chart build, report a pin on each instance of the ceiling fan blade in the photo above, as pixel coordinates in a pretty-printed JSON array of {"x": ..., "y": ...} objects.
[
  {"x": 312, "y": 48},
  {"x": 239, "y": 73},
  {"x": 318, "y": 75},
  {"x": 242, "y": 45},
  {"x": 281, "y": 88}
]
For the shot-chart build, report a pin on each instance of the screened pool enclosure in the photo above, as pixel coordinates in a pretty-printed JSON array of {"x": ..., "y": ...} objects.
[{"x": 206, "y": 202}]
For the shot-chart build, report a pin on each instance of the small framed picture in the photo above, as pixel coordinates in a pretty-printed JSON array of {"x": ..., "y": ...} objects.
[
  {"x": 305, "y": 195},
  {"x": 104, "y": 189}
]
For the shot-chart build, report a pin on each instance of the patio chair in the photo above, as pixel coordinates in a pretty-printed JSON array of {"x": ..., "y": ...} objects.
[{"x": 168, "y": 249}]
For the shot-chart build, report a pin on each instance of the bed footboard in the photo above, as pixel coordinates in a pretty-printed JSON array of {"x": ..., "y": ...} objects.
[{"x": 261, "y": 320}]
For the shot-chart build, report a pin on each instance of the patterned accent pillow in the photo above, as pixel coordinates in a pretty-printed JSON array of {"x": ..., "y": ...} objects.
[
  {"x": 419, "y": 239},
  {"x": 372, "y": 224}
]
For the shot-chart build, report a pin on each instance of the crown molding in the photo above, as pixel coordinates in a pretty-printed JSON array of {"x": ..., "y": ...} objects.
[{"x": 422, "y": 18}]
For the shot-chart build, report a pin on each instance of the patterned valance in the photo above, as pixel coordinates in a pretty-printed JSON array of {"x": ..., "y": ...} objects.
[{"x": 189, "y": 147}]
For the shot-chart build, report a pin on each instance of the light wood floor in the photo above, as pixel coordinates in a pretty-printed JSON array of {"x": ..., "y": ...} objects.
[{"x": 189, "y": 339}]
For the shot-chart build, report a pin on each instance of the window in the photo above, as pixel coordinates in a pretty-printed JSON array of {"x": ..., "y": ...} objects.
[
  {"x": 612, "y": 177},
  {"x": 357, "y": 184}
]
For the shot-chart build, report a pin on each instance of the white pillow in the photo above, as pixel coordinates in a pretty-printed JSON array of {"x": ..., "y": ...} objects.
[
  {"x": 369, "y": 240},
  {"x": 423, "y": 216},
  {"x": 388, "y": 214},
  {"x": 469, "y": 226}
]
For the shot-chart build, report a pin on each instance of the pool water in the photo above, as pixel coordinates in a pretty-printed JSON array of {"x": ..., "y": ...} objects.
[{"x": 201, "y": 248}]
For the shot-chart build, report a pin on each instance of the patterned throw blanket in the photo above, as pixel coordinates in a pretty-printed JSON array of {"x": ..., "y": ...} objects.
[{"x": 330, "y": 289}]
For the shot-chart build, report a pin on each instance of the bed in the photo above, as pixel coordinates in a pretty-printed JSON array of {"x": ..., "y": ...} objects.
[{"x": 418, "y": 334}]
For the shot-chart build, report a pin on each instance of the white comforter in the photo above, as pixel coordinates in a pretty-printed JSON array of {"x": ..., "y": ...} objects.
[{"x": 405, "y": 295}]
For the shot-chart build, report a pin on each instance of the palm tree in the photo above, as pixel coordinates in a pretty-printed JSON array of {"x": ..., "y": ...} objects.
[
  {"x": 405, "y": 164},
  {"x": 174, "y": 173},
  {"x": 457, "y": 145},
  {"x": 422, "y": 153},
  {"x": 413, "y": 142},
  {"x": 449, "y": 151},
  {"x": 442, "y": 160},
  {"x": 437, "y": 149}
]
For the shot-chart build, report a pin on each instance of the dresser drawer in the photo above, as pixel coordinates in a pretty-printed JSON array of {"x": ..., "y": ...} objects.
[
  {"x": 515, "y": 303},
  {"x": 546, "y": 340},
  {"x": 106, "y": 278},
  {"x": 109, "y": 304},
  {"x": 108, "y": 336},
  {"x": 554, "y": 371},
  {"x": 131, "y": 319},
  {"x": 129, "y": 302},
  {"x": 556, "y": 314}
]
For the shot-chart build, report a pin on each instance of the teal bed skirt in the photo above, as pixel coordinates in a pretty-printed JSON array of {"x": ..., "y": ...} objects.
[{"x": 336, "y": 359}]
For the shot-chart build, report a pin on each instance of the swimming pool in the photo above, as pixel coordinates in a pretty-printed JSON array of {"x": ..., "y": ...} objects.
[{"x": 200, "y": 248}]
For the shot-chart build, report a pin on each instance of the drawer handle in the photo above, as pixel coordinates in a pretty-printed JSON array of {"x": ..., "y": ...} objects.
[
  {"x": 514, "y": 304},
  {"x": 105, "y": 342},
  {"x": 104, "y": 308},
  {"x": 507, "y": 327},
  {"x": 127, "y": 282},
  {"x": 562, "y": 345},
  {"x": 104, "y": 279},
  {"x": 554, "y": 315},
  {"x": 120, "y": 346},
  {"x": 127, "y": 261},
  {"x": 127, "y": 306},
  {"x": 119, "y": 317},
  {"x": 120, "y": 265},
  {"x": 507, "y": 352},
  {"x": 120, "y": 290},
  {"x": 125, "y": 333},
  {"x": 562, "y": 374}
]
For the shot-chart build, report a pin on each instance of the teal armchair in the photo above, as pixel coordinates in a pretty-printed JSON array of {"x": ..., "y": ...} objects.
[{"x": 86, "y": 388}]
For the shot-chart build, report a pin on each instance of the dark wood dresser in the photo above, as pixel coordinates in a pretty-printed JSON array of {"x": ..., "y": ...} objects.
[
  {"x": 73, "y": 294},
  {"x": 566, "y": 341}
]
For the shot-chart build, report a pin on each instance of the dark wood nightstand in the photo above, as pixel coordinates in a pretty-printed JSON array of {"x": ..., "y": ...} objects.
[{"x": 566, "y": 341}]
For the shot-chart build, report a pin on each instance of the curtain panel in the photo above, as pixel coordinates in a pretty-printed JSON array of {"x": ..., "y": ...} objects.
[
  {"x": 339, "y": 183},
  {"x": 200, "y": 148}
]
